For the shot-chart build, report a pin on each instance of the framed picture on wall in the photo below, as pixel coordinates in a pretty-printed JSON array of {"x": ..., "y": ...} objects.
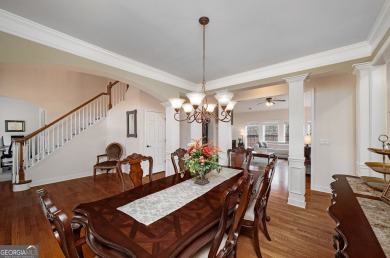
[
  {"x": 14, "y": 126},
  {"x": 131, "y": 123}
]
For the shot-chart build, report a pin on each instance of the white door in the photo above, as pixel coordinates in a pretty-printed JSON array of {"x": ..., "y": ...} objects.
[{"x": 155, "y": 139}]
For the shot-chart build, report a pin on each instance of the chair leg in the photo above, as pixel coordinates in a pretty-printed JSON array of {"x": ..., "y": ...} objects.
[
  {"x": 121, "y": 179},
  {"x": 94, "y": 173},
  {"x": 79, "y": 240},
  {"x": 256, "y": 240},
  {"x": 264, "y": 221}
]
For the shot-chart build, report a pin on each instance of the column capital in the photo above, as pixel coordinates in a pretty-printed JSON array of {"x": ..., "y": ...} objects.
[
  {"x": 297, "y": 78},
  {"x": 357, "y": 68}
]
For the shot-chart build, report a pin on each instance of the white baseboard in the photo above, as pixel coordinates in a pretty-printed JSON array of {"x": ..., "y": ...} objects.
[
  {"x": 321, "y": 189},
  {"x": 21, "y": 187},
  {"x": 297, "y": 203}
]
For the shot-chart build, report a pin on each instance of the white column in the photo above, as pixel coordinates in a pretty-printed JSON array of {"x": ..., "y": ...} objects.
[
  {"x": 363, "y": 74},
  {"x": 388, "y": 86},
  {"x": 296, "y": 159},
  {"x": 172, "y": 137},
  {"x": 224, "y": 139},
  {"x": 371, "y": 114}
]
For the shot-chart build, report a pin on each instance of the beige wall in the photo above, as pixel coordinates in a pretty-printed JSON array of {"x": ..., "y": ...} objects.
[
  {"x": 150, "y": 103},
  {"x": 54, "y": 89},
  {"x": 117, "y": 123},
  {"x": 334, "y": 120},
  {"x": 18, "y": 50}
]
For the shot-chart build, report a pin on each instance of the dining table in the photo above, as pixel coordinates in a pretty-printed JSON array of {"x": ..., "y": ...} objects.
[{"x": 119, "y": 226}]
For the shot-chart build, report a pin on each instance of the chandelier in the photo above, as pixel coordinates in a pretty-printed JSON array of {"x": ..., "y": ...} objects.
[{"x": 199, "y": 109}]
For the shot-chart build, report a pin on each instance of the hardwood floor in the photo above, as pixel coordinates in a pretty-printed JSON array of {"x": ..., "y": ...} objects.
[{"x": 295, "y": 232}]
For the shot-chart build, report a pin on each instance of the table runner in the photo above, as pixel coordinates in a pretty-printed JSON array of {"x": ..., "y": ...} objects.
[{"x": 153, "y": 207}]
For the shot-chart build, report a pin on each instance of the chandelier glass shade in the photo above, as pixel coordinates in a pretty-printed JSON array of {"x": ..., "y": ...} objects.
[{"x": 199, "y": 110}]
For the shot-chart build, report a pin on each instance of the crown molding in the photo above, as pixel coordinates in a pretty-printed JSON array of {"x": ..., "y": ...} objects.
[
  {"x": 383, "y": 55},
  {"x": 24, "y": 28},
  {"x": 381, "y": 26},
  {"x": 297, "y": 78},
  {"x": 358, "y": 68},
  {"x": 21, "y": 27},
  {"x": 338, "y": 55}
]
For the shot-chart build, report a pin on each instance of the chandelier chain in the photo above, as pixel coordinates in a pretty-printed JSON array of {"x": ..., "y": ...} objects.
[
  {"x": 200, "y": 110},
  {"x": 204, "y": 57}
]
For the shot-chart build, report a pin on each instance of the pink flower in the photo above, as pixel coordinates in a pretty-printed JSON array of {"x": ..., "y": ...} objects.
[
  {"x": 201, "y": 159},
  {"x": 207, "y": 151}
]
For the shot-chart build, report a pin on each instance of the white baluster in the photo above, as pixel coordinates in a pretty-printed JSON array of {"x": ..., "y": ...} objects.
[{"x": 79, "y": 120}]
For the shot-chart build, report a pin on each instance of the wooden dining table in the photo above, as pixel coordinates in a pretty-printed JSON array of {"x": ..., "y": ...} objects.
[{"x": 112, "y": 233}]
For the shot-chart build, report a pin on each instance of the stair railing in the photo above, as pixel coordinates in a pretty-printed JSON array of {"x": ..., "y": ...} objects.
[{"x": 36, "y": 146}]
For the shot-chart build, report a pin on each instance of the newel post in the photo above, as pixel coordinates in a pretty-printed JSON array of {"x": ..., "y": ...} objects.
[
  {"x": 21, "y": 162},
  {"x": 109, "y": 86}
]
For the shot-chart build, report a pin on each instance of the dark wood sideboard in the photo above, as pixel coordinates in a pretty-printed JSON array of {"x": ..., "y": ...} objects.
[{"x": 354, "y": 235}]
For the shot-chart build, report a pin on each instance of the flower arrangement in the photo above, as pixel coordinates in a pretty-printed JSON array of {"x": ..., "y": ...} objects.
[{"x": 201, "y": 159}]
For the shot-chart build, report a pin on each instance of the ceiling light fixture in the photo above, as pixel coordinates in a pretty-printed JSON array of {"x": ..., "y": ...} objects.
[
  {"x": 270, "y": 101},
  {"x": 199, "y": 109}
]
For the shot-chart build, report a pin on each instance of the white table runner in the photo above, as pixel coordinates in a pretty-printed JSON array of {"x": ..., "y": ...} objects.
[{"x": 153, "y": 207}]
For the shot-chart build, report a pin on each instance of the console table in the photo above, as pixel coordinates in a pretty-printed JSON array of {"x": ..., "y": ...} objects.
[{"x": 357, "y": 234}]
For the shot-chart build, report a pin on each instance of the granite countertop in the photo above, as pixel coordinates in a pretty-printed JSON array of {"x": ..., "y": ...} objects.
[
  {"x": 378, "y": 215},
  {"x": 359, "y": 187}
]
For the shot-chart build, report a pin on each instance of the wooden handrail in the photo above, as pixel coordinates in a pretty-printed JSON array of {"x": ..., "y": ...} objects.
[{"x": 21, "y": 140}]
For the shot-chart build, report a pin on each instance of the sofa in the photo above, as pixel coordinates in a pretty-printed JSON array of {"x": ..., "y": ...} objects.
[{"x": 280, "y": 149}]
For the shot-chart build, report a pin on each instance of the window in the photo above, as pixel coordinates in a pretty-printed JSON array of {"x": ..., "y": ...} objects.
[
  {"x": 252, "y": 135},
  {"x": 309, "y": 127},
  {"x": 286, "y": 132},
  {"x": 271, "y": 132}
]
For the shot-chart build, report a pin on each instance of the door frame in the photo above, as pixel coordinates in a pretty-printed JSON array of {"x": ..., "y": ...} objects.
[{"x": 146, "y": 131}]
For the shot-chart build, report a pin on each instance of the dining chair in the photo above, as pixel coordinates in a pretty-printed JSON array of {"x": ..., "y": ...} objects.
[
  {"x": 63, "y": 230},
  {"x": 257, "y": 208},
  {"x": 179, "y": 153},
  {"x": 135, "y": 171},
  {"x": 237, "y": 157},
  {"x": 225, "y": 244},
  {"x": 270, "y": 179},
  {"x": 111, "y": 157}
]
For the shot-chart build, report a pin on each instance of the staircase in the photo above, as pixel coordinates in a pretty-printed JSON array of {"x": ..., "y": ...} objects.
[{"x": 39, "y": 145}]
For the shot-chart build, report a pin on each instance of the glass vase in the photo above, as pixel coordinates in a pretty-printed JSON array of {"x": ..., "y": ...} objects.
[{"x": 201, "y": 178}]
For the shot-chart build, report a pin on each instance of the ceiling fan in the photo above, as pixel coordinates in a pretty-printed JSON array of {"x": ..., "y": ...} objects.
[{"x": 270, "y": 101}]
